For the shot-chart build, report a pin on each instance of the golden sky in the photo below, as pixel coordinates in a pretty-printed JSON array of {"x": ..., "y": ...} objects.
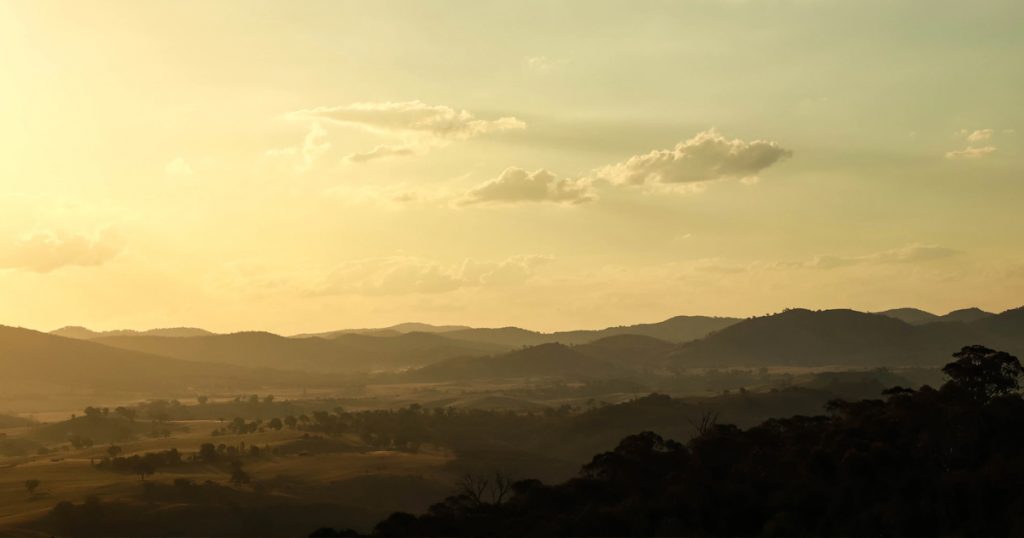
[{"x": 300, "y": 166}]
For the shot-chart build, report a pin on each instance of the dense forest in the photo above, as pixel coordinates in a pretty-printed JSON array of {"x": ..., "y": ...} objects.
[{"x": 924, "y": 462}]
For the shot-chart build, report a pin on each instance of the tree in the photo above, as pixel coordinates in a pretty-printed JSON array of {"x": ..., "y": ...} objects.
[
  {"x": 31, "y": 486},
  {"x": 202, "y": 399},
  {"x": 275, "y": 423},
  {"x": 238, "y": 475},
  {"x": 114, "y": 451},
  {"x": 291, "y": 421},
  {"x": 127, "y": 412},
  {"x": 983, "y": 373},
  {"x": 472, "y": 487},
  {"x": 208, "y": 453},
  {"x": 143, "y": 469}
]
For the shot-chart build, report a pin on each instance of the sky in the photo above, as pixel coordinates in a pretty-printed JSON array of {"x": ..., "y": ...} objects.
[{"x": 304, "y": 166}]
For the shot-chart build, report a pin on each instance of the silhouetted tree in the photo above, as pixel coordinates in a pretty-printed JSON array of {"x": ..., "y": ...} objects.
[
  {"x": 31, "y": 485},
  {"x": 238, "y": 475},
  {"x": 983, "y": 373},
  {"x": 144, "y": 468}
]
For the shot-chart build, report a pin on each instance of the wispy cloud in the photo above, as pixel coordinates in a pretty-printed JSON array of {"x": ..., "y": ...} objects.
[
  {"x": 970, "y": 152},
  {"x": 907, "y": 254},
  {"x": 45, "y": 250},
  {"x": 973, "y": 151},
  {"x": 401, "y": 275},
  {"x": 379, "y": 152}
]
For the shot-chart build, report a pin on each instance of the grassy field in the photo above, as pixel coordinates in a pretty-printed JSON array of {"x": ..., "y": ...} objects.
[{"x": 69, "y": 475}]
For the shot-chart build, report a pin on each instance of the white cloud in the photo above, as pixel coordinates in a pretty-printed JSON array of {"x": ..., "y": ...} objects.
[
  {"x": 45, "y": 251},
  {"x": 178, "y": 168},
  {"x": 705, "y": 157},
  {"x": 380, "y": 152},
  {"x": 411, "y": 117},
  {"x": 515, "y": 185},
  {"x": 979, "y": 135},
  {"x": 970, "y": 153}
]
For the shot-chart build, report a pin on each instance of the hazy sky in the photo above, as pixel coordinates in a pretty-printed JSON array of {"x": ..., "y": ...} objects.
[{"x": 299, "y": 166}]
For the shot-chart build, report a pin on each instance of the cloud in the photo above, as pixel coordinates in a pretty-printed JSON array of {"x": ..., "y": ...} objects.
[
  {"x": 314, "y": 144},
  {"x": 908, "y": 254},
  {"x": 402, "y": 275},
  {"x": 411, "y": 117},
  {"x": 979, "y": 135},
  {"x": 705, "y": 157},
  {"x": 46, "y": 251},
  {"x": 380, "y": 152},
  {"x": 970, "y": 153},
  {"x": 178, "y": 168},
  {"x": 543, "y": 64},
  {"x": 515, "y": 185}
]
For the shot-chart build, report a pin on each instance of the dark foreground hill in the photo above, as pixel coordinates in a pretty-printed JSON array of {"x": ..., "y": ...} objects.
[{"x": 918, "y": 463}]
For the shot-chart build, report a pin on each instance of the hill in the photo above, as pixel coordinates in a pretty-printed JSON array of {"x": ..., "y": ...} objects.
[
  {"x": 630, "y": 351},
  {"x": 545, "y": 360},
  {"x": 348, "y": 352},
  {"x": 846, "y": 338},
  {"x": 35, "y": 362},
  {"x": 394, "y": 330},
  {"x": 966, "y": 315},
  {"x": 913, "y": 316},
  {"x": 83, "y": 333},
  {"x": 677, "y": 329}
]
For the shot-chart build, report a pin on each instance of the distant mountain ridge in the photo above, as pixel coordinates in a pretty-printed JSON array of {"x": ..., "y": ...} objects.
[
  {"x": 345, "y": 353},
  {"x": 82, "y": 333},
  {"x": 801, "y": 337},
  {"x": 401, "y": 328},
  {"x": 36, "y": 362},
  {"x": 916, "y": 316}
]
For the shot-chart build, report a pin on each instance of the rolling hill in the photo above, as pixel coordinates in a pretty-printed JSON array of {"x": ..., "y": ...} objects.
[
  {"x": 915, "y": 316},
  {"x": 677, "y": 329},
  {"x": 83, "y": 333},
  {"x": 35, "y": 362},
  {"x": 545, "y": 360},
  {"x": 349, "y": 352},
  {"x": 847, "y": 338}
]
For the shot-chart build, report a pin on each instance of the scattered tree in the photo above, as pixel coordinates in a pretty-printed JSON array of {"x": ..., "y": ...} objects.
[{"x": 31, "y": 486}]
